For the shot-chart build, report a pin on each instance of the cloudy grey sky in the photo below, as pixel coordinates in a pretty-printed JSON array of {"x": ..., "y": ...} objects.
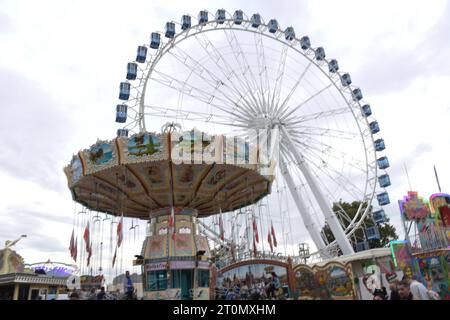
[{"x": 61, "y": 62}]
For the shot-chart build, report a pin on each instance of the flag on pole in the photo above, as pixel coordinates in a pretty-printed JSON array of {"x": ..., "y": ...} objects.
[
  {"x": 255, "y": 230},
  {"x": 273, "y": 235},
  {"x": 89, "y": 254},
  {"x": 72, "y": 243},
  {"x": 120, "y": 232},
  {"x": 75, "y": 250},
  {"x": 269, "y": 239},
  {"x": 86, "y": 236},
  {"x": 221, "y": 230},
  {"x": 114, "y": 257}
]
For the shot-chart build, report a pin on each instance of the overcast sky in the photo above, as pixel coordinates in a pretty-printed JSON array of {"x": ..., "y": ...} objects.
[{"x": 61, "y": 62}]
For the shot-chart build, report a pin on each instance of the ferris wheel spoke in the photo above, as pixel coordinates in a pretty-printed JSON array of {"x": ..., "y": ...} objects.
[
  {"x": 262, "y": 66},
  {"x": 195, "y": 92},
  {"x": 318, "y": 195},
  {"x": 325, "y": 166},
  {"x": 279, "y": 78},
  {"x": 315, "y": 142},
  {"x": 241, "y": 59},
  {"x": 326, "y": 132},
  {"x": 354, "y": 191},
  {"x": 198, "y": 68},
  {"x": 319, "y": 115},
  {"x": 173, "y": 113},
  {"x": 291, "y": 92},
  {"x": 334, "y": 175},
  {"x": 218, "y": 82},
  {"x": 337, "y": 154},
  {"x": 325, "y": 170},
  {"x": 228, "y": 72},
  {"x": 285, "y": 116}
]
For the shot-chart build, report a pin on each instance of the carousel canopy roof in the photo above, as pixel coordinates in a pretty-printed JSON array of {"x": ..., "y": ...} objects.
[{"x": 146, "y": 172}]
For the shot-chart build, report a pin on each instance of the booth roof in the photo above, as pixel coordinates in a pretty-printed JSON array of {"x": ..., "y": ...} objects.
[
  {"x": 357, "y": 256},
  {"x": 31, "y": 278}
]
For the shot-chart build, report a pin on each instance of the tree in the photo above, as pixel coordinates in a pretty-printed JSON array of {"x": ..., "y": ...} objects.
[{"x": 387, "y": 231}]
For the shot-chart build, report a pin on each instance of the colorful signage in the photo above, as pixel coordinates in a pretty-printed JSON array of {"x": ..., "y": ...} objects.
[
  {"x": 400, "y": 253},
  {"x": 156, "y": 266},
  {"x": 54, "y": 269},
  {"x": 182, "y": 265},
  {"x": 203, "y": 265},
  {"x": 413, "y": 207}
]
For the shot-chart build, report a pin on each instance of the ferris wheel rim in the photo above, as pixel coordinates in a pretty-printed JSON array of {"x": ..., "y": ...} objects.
[{"x": 229, "y": 24}]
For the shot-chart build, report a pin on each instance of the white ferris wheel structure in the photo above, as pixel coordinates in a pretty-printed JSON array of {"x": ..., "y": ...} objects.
[{"x": 230, "y": 71}]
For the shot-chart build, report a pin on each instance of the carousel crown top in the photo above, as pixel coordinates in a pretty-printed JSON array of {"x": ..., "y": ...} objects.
[{"x": 138, "y": 175}]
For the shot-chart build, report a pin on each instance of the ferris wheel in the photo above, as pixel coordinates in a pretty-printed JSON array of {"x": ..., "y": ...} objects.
[{"x": 231, "y": 71}]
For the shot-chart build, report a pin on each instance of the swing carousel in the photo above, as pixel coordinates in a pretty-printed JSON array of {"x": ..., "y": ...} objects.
[
  {"x": 231, "y": 75},
  {"x": 140, "y": 178}
]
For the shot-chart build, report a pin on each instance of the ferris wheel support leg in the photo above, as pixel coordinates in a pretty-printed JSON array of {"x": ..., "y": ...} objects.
[
  {"x": 330, "y": 217},
  {"x": 307, "y": 220}
]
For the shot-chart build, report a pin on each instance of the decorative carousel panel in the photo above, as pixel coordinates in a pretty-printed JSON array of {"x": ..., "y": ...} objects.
[
  {"x": 100, "y": 156},
  {"x": 238, "y": 152},
  {"x": 144, "y": 147},
  {"x": 189, "y": 176},
  {"x": 212, "y": 148},
  {"x": 201, "y": 243},
  {"x": 156, "y": 247},
  {"x": 184, "y": 225},
  {"x": 187, "y": 147},
  {"x": 154, "y": 176},
  {"x": 305, "y": 282},
  {"x": 182, "y": 246},
  {"x": 137, "y": 174},
  {"x": 337, "y": 280},
  {"x": 74, "y": 171}
]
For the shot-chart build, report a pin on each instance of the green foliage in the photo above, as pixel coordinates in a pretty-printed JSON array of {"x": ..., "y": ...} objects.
[{"x": 387, "y": 230}]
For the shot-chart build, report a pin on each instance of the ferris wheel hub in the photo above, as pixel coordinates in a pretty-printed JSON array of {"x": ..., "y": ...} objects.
[{"x": 264, "y": 122}]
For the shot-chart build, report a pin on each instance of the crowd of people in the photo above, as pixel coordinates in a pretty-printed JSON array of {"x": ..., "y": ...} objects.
[
  {"x": 129, "y": 292},
  {"x": 405, "y": 289},
  {"x": 265, "y": 288}
]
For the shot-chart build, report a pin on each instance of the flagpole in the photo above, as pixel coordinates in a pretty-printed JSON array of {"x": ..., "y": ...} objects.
[
  {"x": 437, "y": 179},
  {"x": 407, "y": 176}
]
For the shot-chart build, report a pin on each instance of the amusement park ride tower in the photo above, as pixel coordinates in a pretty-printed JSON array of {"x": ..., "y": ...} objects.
[{"x": 241, "y": 73}]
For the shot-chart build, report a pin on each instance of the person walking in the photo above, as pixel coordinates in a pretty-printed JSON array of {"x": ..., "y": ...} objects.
[
  {"x": 101, "y": 294},
  {"x": 92, "y": 295},
  {"x": 128, "y": 286}
]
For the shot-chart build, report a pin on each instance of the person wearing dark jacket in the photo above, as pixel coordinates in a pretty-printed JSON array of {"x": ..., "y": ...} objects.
[
  {"x": 101, "y": 294},
  {"x": 392, "y": 279},
  {"x": 404, "y": 290}
]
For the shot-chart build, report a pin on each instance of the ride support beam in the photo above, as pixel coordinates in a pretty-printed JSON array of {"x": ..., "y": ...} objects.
[
  {"x": 300, "y": 203},
  {"x": 330, "y": 217}
]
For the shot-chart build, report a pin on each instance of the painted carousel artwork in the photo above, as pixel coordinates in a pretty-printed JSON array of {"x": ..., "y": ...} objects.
[
  {"x": 333, "y": 281},
  {"x": 138, "y": 177}
]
